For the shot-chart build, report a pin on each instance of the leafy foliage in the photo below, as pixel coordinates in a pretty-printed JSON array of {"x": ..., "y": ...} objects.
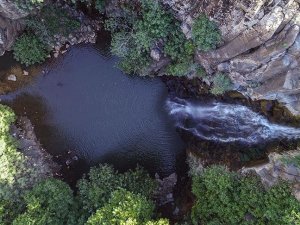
[
  {"x": 28, "y": 49},
  {"x": 16, "y": 175},
  {"x": 132, "y": 41},
  {"x": 48, "y": 203},
  {"x": 226, "y": 198},
  {"x": 124, "y": 208},
  {"x": 221, "y": 84},
  {"x": 95, "y": 191},
  {"x": 135, "y": 34},
  {"x": 29, "y": 5},
  {"x": 52, "y": 21},
  {"x": 295, "y": 160},
  {"x": 99, "y": 4},
  {"x": 205, "y": 33}
]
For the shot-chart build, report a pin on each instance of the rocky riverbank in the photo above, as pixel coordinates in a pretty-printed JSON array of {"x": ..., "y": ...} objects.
[{"x": 29, "y": 145}]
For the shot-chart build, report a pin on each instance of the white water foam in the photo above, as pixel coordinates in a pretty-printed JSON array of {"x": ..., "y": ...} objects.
[{"x": 225, "y": 122}]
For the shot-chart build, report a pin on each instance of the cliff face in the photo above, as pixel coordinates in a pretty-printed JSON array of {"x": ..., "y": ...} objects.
[
  {"x": 261, "y": 45},
  {"x": 10, "y": 24}
]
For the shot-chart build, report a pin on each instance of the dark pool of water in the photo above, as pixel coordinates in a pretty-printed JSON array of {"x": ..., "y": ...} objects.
[{"x": 84, "y": 104}]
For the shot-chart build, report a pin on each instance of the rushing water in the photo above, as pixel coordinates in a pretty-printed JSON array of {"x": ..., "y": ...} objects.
[
  {"x": 84, "y": 104},
  {"x": 223, "y": 122}
]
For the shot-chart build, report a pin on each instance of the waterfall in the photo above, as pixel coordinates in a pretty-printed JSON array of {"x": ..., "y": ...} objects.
[{"x": 223, "y": 122}]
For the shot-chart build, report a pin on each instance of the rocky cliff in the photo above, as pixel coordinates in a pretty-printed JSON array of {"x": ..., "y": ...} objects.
[
  {"x": 260, "y": 48},
  {"x": 10, "y": 23}
]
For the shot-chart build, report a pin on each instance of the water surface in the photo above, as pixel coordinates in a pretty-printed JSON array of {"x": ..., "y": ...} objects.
[{"x": 85, "y": 105}]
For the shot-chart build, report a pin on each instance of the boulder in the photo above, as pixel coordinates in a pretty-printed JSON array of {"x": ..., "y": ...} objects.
[
  {"x": 25, "y": 73},
  {"x": 279, "y": 167},
  {"x": 12, "y": 77}
]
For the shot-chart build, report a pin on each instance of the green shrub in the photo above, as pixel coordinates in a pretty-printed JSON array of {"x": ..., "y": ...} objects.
[
  {"x": 125, "y": 208},
  {"x": 224, "y": 197},
  {"x": 96, "y": 190},
  {"x": 9, "y": 210},
  {"x": 99, "y": 4},
  {"x": 221, "y": 84},
  {"x": 17, "y": 174},
  {"x": 295, "y": 160},
  {"x": 179, "y": 68},
  {"x": 48, "y": 203},
  {"x": 133, "y": 39},
  {"x": 122, "y": 208},
  {"x": 280, "y": 206},
  {"x": 177, "y": 47},
  {"x": 29, "y": 5},
  {"x": 52, "y": 21},
  {"x": 205, "y": 33},
  {"x": 29, "y": 50}
]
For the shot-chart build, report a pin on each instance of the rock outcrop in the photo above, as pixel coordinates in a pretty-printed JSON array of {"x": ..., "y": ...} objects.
[
  {"x": 10, "y": 24},
  {"x": 279, "y": 167},
  {"x": 261, "y": 45}
]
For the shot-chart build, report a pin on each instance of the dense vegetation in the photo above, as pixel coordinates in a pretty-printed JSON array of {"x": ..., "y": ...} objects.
[
  {"x": 135, "y": 34},
  {"x": 41, "y": 32},
  {"x": 221, "y": 84},
  {"x": 224, "y": 197},
  {"x": 106, "y": 196},
  {"x": 28, "y": 197},
  {"x": 139, "y": 28},
  {"x": 28, "y": 5},
  {"x": 29, "y": 49}
]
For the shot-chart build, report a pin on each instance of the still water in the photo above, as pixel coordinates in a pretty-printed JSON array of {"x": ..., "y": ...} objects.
[{"x": 83, "y": 104}]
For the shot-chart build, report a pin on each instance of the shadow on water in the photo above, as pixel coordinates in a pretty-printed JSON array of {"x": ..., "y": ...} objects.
[{"x": 84, "y": 107}]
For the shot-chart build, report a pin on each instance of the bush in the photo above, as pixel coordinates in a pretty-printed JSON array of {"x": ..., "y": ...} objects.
[
  {"x": 48, "y": 203},
  {"x": 29, "y": 50},
  {"x": 125, "y": 208},
  {"x": 205, "y": 33},
  {"x": 52, "y": 21},
  {"x": 29, "y": 5},
  {"x": 221, "y": 84},
  {"x": 96, "y": 190},
  {"x": 9, "y": 210},
  {"x": 133, "y": 40},
  {"x": 224, "y": 197},
  {"x": 179, "y": 68},
  {"x": 99, "y": 4},
  {"x": 17, "y": 175}
]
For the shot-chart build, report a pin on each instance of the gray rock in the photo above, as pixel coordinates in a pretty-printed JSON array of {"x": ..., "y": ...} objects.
[
  {"x": 278, "y": 169},
  {"x": 25, "y": 73},
  {"x": 156, "y": 54},
  {"x": 12, "y": 77}
]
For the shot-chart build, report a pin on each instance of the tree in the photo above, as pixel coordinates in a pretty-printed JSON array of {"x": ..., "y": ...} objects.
[
  {"x": 125, "y": 208},
  {"x": 95, "y": 189},
  {"x": 48, "y": 203}
]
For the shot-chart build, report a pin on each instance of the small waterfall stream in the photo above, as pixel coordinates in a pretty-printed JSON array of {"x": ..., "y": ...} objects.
[{"x": 223, "y": 122}]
